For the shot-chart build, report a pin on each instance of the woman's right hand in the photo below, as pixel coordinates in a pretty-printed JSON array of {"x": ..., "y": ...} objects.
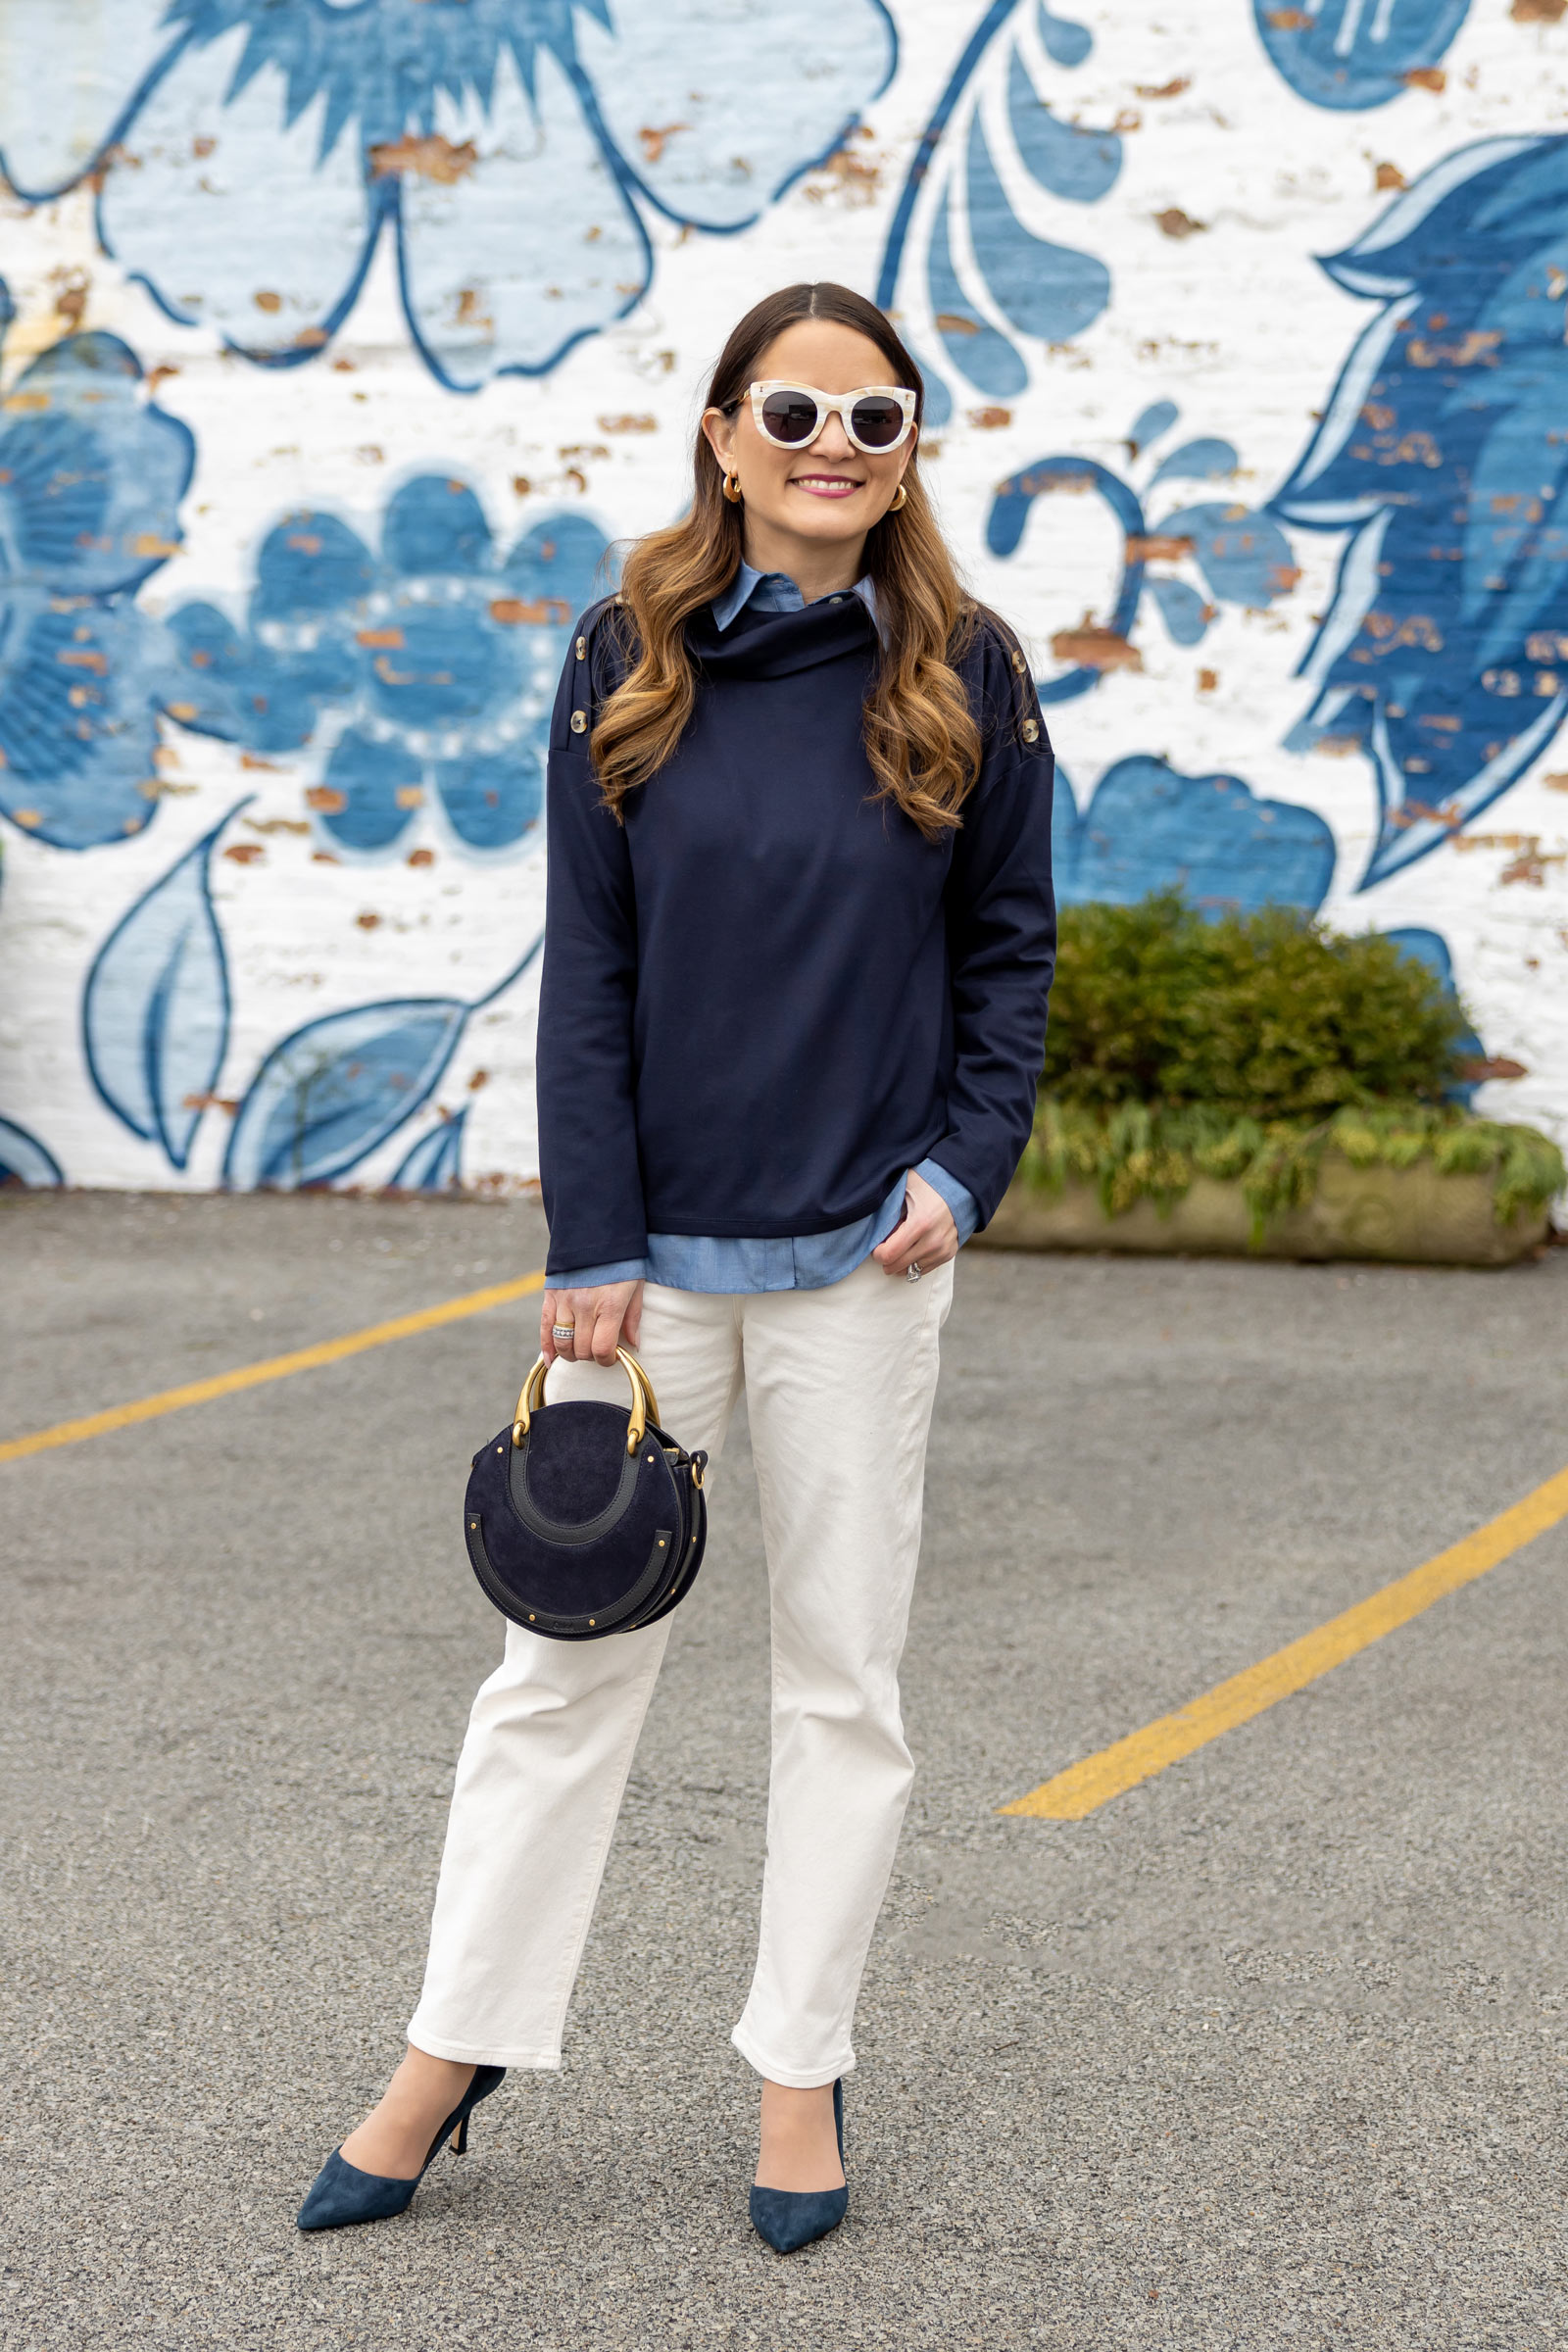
[{"x": 602, "y": 1319}]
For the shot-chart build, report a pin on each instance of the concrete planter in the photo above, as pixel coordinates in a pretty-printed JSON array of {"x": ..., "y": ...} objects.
[{"x": 1411, "y": 1216}]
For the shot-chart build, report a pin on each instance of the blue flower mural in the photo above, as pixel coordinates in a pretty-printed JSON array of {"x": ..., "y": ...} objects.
[
  {"x": 1147, "y": 827},
  {"x": 1443, "y": 656},
  {"x": 253, "y": 153},
  {"x": 1241, "y": 555},
  {"x": 92, "y": 475},
  {"x": 429, "y": 669},
  {"x": 975, "y": 234},
  {"x": 1355, "y": 54}
]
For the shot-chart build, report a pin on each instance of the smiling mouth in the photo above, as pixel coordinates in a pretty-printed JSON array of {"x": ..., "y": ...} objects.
[{"x": 824, "y": 485}]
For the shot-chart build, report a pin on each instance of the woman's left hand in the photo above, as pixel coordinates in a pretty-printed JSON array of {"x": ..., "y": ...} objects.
[{"x": 925, "y": 1236}]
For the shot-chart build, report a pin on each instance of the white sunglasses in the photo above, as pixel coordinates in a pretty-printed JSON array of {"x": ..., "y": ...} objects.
[{"x": 876, "y": 418}]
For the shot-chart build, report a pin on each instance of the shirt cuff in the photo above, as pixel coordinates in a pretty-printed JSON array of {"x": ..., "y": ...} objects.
[
  {"x": 958, "y": 1198},
  {"x": 591, "y": 1278}
]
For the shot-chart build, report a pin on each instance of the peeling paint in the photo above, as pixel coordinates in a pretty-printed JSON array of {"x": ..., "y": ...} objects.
[
  {"x": 428, "y": 158},
  {"x": 1096, "y": 648},
  {"x": 654, "y": 142},
  {"x": 846, "y": 179},
  {"x": 1174, "y": 222}
]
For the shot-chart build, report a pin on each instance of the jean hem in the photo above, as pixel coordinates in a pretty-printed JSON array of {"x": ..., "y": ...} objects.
[
  {"x": 792, "y": 2077},
  {"x": 468, "y": 2053}
]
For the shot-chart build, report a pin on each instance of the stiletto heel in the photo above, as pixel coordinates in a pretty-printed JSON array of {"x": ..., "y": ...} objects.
[
  {"x": 792, "y": 2218},
  {"x": 341, "y": 2193}
]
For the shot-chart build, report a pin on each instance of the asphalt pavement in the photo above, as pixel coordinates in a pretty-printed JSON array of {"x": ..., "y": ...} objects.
[{"x": 1266, "y": 2052}]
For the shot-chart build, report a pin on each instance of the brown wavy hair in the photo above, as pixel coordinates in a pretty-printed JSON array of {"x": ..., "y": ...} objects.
[{"x": 921, "y": 736}]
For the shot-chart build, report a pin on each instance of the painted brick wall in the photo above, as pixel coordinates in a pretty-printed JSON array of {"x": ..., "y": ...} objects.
[{"x": 344, "y": 335}]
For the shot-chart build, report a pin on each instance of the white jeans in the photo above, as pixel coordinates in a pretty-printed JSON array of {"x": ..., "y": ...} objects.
[{"x": 839, "y": 1384}]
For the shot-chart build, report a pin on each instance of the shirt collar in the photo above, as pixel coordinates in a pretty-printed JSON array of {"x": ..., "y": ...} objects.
[{"x": 781, "y": 595}]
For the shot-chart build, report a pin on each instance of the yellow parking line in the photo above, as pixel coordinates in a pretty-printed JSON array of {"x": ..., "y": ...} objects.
[
  {"x": 274, "y": 1367},
  {"x": 1083, "y": 1787}
]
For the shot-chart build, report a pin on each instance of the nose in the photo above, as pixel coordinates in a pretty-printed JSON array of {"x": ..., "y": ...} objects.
[{"x": 833, "y": 443}]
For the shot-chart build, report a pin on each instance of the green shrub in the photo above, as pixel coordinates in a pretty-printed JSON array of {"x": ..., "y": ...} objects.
[
  {"x": 1266, "y": 1017},
  {"x": 1245, "y": 1048}
]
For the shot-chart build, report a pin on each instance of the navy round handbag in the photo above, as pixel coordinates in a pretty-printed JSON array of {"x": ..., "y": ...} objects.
[{"x": 583, "y": 1518}]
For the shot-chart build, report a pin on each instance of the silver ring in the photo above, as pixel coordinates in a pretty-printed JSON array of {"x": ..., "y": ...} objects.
[
  {"x": 563, "y": 1330},
  {"x": 912, "y": 1272}
]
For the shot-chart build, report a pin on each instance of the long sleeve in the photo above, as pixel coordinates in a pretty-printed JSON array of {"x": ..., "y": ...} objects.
[
  {"x": 588, "y": 1157},
  {"x": 1001, "y": 935},
  {"x": 958, "y": 1198}
]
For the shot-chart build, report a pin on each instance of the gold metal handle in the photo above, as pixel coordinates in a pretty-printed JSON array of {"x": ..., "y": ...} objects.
[{"x": 643, "y": 1403}]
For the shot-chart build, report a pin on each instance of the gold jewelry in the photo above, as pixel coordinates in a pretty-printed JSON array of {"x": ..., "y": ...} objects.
[
  {"x": 732, "y": 487},
  {"x": 897, "y": 499}
]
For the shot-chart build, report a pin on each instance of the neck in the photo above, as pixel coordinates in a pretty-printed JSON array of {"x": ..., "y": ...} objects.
[{"x": 817, "y": 566}]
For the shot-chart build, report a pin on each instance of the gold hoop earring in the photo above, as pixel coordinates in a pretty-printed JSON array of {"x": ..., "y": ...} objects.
[
  {"x": 732, "y": 489},
  {"x": 897, "y": 499}
]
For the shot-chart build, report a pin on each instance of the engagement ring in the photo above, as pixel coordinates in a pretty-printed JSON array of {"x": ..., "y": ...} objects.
[{"x": 913, "y": 1272}]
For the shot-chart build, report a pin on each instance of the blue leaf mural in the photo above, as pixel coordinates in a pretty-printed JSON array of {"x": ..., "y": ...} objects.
[
  {"x": 1051, "y": 292},
  {"x": 991, "y": 362},
  {"x": 1243, "y": 557},
  {"x": 434, "y": 1164},
  {"x": 428, "y": 667},
  {"x": 1206, "y": 461},
  {"x": 1443, "y": 656},
  {"x": 970, "y": 232},
  {"x": 1353, "y": 54},
  {"x": 1181, "y": 608},
  {"x": 330, "y": 1093},
  {"x": 1147, "y": 827},
  {"x": 501, "y": 148},
  {"x": 91, "y": 476},
  {"x": 24, "y": 1161},
  {"x": 336, "y": 1089},
  {"x": 155, "y": 1007},
  {"x": 1149, "y": 425},
  {"x": 1005, "y": 528},
  {"x": 1081, "y": 166},
  {"x": 1064, "y": 42}
]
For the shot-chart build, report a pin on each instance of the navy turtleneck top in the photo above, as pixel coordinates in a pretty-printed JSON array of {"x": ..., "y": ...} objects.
[{"x": 766, "y": 996}]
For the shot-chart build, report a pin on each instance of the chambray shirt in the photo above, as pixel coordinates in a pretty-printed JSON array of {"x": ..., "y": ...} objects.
[{"x": 685, "y": 1262}]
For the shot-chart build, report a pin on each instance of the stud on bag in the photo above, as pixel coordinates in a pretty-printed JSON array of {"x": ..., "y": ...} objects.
[{"x": 584, "y": 1518}]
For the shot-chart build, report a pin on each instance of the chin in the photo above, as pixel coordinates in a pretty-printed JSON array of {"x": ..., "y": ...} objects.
[{"x": 835, "y": 518}]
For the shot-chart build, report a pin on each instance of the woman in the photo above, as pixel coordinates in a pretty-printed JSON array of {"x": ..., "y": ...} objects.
[{"x": 798, "y": 940}]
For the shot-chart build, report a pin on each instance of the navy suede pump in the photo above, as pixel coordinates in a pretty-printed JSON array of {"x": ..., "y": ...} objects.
[
  {"x": 341, "y": 2193},
  {"x": 790, "y": 2217}
]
